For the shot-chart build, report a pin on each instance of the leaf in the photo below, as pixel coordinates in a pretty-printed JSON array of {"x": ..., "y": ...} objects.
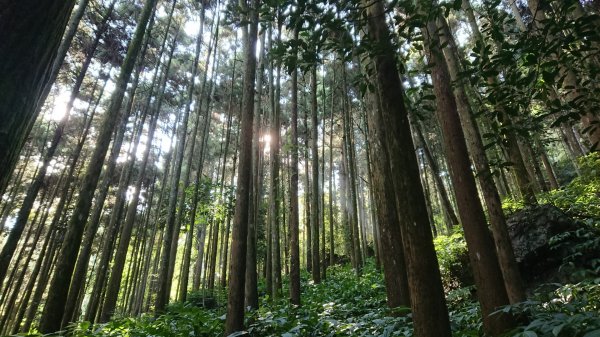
[
  {"x": 557, "y": 329},
  {"x": 238, "y": 333},
  {"x": 595, "y": 333}
]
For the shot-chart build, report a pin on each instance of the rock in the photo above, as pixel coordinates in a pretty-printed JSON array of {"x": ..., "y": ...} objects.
[{"x": 531, "y": 230}]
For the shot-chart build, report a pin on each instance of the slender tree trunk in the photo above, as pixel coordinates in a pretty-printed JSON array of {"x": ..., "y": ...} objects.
[
  {"x": 484, "y": 261},
  {"x": 506, "y": 258},
  {"x": 316, "y": 267},
  {"x": 166, "y": 262},
  {"x": 235, "y": 299},
  {"x": 57, "y": 295},
  {"x": 307, "y": 192},
  {"x": 352, "y": 178},
  {"x": 331, "y": 177},
  {"x": 275, "y": 164},
  {"x": 322, "y": 190},
  {"x": 443, "y": 192},
  {"x": 114, "y": 282},
  {"x": 31, "y": 282},
  {"x": 427, "y": 295},
  {"x": 293, "y": 186},
  {"x": 251, "y": 275}
]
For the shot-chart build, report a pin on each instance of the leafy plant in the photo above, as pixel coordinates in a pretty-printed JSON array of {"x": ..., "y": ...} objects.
[
  {"x": 568, "y": 311},
  {"x": 453, "y": 258},
  {"x": 581, "y": 197}
]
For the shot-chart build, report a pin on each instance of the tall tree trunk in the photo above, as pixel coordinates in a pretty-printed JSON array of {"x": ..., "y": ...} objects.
[
  {"x": 255, "y": 188},
  {"x": 437, "y": 179},
  {"x": 167, "y": 261},
  {"x": 275, "y": 164},
  {"x": 112, "y": 230},
  {"x": 27, "y": 54},
  {"x": 506, "y": 258},
  {"x": 330, "y": 187},
  {"x": 427, "y": 295},
  {"x": 393, "y": 260},
  {"x": 235, "y": 299},
  {"x": 114, "y": 282},
  {"x": 293, "y": 186},
  {"x": 352, "y": 177},
  {"x": 24, "y": 211},
  {"x": 307, "y": 192},
  {"x": 316, "y": 267},
  {"x": 484, "y": 261},
  {"x": 57, "y": 295}
]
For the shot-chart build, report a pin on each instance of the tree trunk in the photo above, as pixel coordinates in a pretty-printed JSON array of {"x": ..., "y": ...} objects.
[
  {"x": 352, "y": 178},
  {"x": 235, "y": 299},
  {"x": 484, "y": 261},
  {"x": 57, "y": 295},
  {"x": 166, "y": 263},
  {"x": 275, "y": 162},
  {"x": 506, "y": 258},
  {"x": 114, "y": 282},
  {"x": 394, "y": 266},
  {"x": 294, "y": 214},
  {"x": 330, "y": 188},
  {"x": 316, "y": 267},
  {"x": 27, "y": 54},
  {"x": 426, "y": 292}
]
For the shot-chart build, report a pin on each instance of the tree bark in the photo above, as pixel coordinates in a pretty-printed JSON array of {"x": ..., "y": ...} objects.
[
  {"x": 427, "y": 295},
  {"x": 316, "y": 267},
  {"x": 512, "y": 278},
  {"x": 235, "y": 299},
  {"x": 293, "y": 209},
  {"x": 30, "y": 38},
  {"x": 393, "y": 260},
  {"x": 484, "y": 261}
]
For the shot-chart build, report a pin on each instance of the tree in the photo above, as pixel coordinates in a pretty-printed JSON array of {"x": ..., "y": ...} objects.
[
  {"x": 235, "y": 295},
  {"x": 484, "y": 261},
  {"x": 54, "y": 308},
  {"x": 426, "y": 293},
  {"x": 316, "y": 267},
  {"x": 294, "y": 213},
  {"x": 31, "y": 34}
]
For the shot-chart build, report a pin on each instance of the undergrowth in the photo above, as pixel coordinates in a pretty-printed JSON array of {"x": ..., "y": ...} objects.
[
  {"x": 580, "y": 198},
  {"x": 344, "y": 305}
]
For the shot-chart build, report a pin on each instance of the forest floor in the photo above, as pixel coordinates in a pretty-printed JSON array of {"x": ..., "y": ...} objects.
[{"x": 347, "y": 305}]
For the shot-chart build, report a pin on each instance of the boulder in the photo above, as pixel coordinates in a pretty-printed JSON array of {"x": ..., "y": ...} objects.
[{"x": 531, "y": 231}]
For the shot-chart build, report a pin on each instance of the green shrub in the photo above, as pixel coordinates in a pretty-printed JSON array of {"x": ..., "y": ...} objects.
[
  {"x": 568, "y": 311},
  {"x": 453, "y": 258},
  {"x": 580, "y": 199}
]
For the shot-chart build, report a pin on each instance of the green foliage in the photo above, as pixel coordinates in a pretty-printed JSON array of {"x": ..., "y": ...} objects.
[
  {"x": 453, "y": 258},
  {"x": 464, "y": 312},
  {"x": 568, "y": 311},
  {"x": 342, "y": 305},
  {"x": 581, "y": 197},
  {"x": 581, "y": 251},
  {"x": 511, "y": 205},
  {"x": 179, "y": 320}
]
